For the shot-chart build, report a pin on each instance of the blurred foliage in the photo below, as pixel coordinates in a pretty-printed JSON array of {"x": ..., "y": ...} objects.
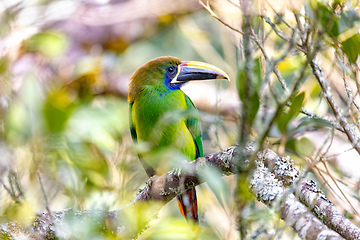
[
  {"x": 285, "y": 117},
  {"x": 250, "y": 94},
  {"x": 66, "y": 125},
  {"x": 64, "y": 138},
  {"x": 48, "y": 44}
]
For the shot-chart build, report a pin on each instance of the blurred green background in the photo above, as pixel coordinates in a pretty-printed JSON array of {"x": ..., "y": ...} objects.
[
  {"x": 64, "y": 112},
  {"x": 64, "y": 138}
]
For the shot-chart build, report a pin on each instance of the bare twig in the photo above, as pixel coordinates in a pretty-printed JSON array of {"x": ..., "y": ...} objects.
[
  {"x": 335, "y": 109},
  {"x": 252, "y": 36},
  {"x": 281, "y": 35},
  {"x": 14, "y": 189},
  {"x": 338, "y": 187},
  {"x": 314, "y": 116},
  {"x": 43, "y": 191},
  {"x": 208, "y": 8}
]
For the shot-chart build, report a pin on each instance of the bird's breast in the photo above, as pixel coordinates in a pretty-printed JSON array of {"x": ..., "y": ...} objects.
[{"x": 160, "y": 120}]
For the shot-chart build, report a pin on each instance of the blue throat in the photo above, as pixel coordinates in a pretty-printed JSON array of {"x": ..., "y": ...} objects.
[{"x": 172, "y": 86}]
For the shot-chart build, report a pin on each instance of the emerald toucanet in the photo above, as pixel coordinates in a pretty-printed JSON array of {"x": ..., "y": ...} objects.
[{"x": 162, "y": 116}]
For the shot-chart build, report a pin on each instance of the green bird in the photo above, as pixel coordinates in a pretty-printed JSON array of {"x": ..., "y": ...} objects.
[{"x": 164, "y": 118}]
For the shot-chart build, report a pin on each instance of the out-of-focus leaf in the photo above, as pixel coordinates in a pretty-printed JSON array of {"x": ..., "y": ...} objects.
[
  {"x": 284, "y": 118},
  {"x": 22, "y": 213},
  {"x": 348, "y": 20},
  {"x": 258, "y": 73},
  {"x": 304, "y": 147},
  {"x": 88, "y": 77},
  {"x": 325, "y": 17},
  {"x": 49, "y": 44},
  {"x": 351, "y": 47},
  {"x": 313, "y": 122},
  {"x": 107, "y": 119},
  {"x": 17, "y": 128},
  {"x": 250, "y": 96},
  {"x": 241, "y": 78},
  {"x": 296, "y": 104},
  {"x": 88, "y": 65},
  {"x": 316, "y": 89},
  {"x": 290, "y": 145},
  {"x": 243, "y": 193},
  {"x": 255, "y": 104},
  {"x": 308, "y": 124},
  {"x": 282, "y": 121},
  {"x": 214, "y": 179},
  {"x": 57, "y": 110},
  {"x": 24, "y": 115},
  {"x": 3, "y": 64},
  {"x": 82, "y": 169},
  {"x": 171, "y": 228},
  {"x": 136, "y": 218}
]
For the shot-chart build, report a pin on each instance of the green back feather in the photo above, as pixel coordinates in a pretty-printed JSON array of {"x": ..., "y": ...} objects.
[
  {"x": 194, "y": 127},
  {"x": 164, "y": 118}
]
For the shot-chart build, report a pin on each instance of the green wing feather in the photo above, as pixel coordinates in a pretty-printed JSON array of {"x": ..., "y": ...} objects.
[
  {"x": 193, "y": 124},
  {"x": 148, "y": 169}
]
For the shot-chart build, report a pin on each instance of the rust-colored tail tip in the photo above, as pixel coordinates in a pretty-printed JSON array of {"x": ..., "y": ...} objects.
[{"x": 188, "y": 205}]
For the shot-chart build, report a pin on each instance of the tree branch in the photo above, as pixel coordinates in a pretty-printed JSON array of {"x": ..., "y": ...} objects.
[
  {"x": 273, "y": 182},
  {"x": 348, "y": 129}
]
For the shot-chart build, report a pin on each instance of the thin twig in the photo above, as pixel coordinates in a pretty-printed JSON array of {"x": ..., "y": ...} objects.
[
  {"x": 281, "y": 35},
  {"x": 315, "y": 116},
  {"x": 207, "y": 7},
  {"x": 338, "y": 187},
  {"x": 280, "y": 16},
  {"x": 329, "y": 97},
  {"x": 43, "y": 191}
]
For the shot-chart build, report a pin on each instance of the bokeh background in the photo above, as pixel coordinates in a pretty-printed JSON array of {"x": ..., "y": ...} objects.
[{"x": 64, "y": 135}]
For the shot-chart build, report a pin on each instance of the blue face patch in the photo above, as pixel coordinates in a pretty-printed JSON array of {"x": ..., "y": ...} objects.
[{"x": 171, "y": 72}]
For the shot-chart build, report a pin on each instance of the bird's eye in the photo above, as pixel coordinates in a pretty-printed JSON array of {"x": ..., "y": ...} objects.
[{"x": 171, "y": 69}]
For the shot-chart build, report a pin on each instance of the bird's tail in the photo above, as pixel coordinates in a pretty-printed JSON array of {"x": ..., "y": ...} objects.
[{"x": 188, "y": 204}]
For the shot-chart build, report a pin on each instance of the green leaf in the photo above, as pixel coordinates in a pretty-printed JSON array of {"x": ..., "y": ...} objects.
[
  {"x": 17, "y": 126},
  {"x": 296, "y": 104},
  {"x": 24, "y": 116},
  {"x": 3, "y": 64},
  {"x": 284, "y": 118},
  {"x": 314, "y": 122},
  {"x": 351, "y": 47},
  {"x": 57, "y": 110},
  {"x": 255, "y": 104},
  {"x": 308, "y": 124},
  {"x": 282, "y": 121},
  {"x": 325, "y": 17},
  {"x": 348, "y": 20},
  {"x": 241, "y": 81},
  {"x": 304, "y": 147},
  {"x": 244, "y": 196},
  {"x": 258, "y": 74},
  {"x": 250, "y": 96},
  {"x": 214, "y": 179},
  {"x": 49, "y": 44},
  {"x": 105, "y": 121},
  {"x": 290, "y": 145}
]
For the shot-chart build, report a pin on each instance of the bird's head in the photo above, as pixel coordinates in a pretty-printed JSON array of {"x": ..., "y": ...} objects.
[{"x": 169, "y": 73}]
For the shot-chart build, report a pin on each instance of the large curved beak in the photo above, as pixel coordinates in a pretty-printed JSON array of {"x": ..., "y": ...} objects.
[{"x": 192, "y": 71}]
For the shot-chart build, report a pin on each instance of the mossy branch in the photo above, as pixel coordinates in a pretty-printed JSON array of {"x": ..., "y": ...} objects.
[{"x": 275, "y": 182}]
